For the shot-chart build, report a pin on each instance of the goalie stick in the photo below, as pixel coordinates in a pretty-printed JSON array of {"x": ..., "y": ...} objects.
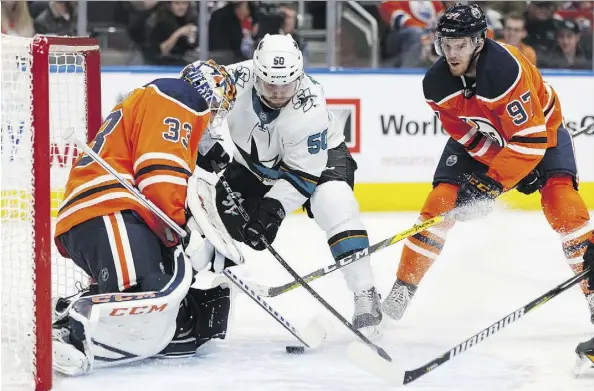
[
  {"x": 311, "y": 336},
  {"x": 267, "y": 291},
  {"x": 368, "y": 344},
  {"x": 390, "y": 372}
]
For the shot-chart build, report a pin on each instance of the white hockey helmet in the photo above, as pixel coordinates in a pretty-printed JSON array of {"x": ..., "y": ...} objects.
[{"x": 278, "y": 65}]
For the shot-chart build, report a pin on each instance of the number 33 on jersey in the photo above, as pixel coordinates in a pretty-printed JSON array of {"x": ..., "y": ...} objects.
[{"x": 151, "y": 139}]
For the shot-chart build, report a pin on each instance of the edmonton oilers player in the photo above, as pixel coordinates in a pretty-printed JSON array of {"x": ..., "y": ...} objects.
[
  {"x": 287, "y": 154},
  {"x": 141, "y": 303},
  {"x": 507, "y": 132}
]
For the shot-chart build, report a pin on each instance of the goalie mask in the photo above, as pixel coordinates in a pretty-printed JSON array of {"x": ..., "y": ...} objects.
[
  {"x": 215, "y": 85},
  {"x": 278, "y": 68}
]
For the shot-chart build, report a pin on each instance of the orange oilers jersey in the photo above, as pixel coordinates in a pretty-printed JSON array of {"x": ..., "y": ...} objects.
[
  {"x": 411, "y": 13},
  {"x": 506, "y": 118},
  {"x": 151, "y": 139}
]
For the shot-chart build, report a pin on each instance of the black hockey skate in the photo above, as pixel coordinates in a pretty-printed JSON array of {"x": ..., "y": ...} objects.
[{"x": 585, "y": 357}]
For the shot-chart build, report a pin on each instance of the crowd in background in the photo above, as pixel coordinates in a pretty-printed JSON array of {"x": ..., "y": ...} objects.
[{"x": 550, "y": 34}]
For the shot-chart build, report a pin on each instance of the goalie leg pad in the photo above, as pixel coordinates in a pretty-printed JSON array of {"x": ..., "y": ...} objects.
[
  {"x": 336, "y": 211},
  {"x": 117, "y": 328}
]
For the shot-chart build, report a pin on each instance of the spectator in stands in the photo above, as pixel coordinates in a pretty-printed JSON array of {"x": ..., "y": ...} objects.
[
  {"x": 172, "y": 34},
  {"x": 582, "y": 12},
  {"x": 232, "y": 29},
  {"x": 16, "y": 19},
  {"x": 274, "y": 19},
  {"x": 540, "y": 27},
  {"x": 290, "y": 26},
  {"x": 408, "y": 21},
  {"x": 514, "y": 32},
  {"x": 137, "y": 14},
  {"x": 568, "y": 53},
  {"x": 58, "y": 18},
  {"x": 428, "y": 53}
]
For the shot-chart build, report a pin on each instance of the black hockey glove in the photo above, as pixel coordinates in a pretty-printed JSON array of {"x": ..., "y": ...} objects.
[
  {"x": 216, "y": 154},
  {"x": 531, "y": 183},
  {"x": 266, "y": 216},
  {"x": 476, "y": 196},
  {"x": 589, "y": 262}
]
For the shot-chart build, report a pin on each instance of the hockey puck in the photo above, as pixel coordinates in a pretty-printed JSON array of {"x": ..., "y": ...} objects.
[{"x": 295, "y": 349}]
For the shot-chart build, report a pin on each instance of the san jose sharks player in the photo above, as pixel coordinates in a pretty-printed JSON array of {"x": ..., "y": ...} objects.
[{"x": 287, "y": 155}]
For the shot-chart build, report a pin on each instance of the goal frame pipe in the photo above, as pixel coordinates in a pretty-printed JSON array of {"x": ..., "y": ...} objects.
[{"x": 41, "y": 48}]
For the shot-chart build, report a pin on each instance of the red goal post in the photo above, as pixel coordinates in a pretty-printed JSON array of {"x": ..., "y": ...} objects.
[{"x": 49, "y": 85}]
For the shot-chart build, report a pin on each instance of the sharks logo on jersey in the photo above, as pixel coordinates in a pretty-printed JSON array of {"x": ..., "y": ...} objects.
[{"x": 275, "y": 145}]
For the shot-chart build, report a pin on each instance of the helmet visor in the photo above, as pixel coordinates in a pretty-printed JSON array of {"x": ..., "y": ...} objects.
[
  {"x": 455, "y": 47},
  {"x": 276, "y": 95}
]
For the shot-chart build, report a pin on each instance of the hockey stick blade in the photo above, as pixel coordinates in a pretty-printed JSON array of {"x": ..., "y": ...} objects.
[
  {"x": 412, "y": 375},
  {"x": 311, "y": 336},
  {"x": 366, "y": 358},
  {"x": 267, "y": 291}
]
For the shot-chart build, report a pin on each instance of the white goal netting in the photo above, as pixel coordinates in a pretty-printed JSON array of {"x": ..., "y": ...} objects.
[{"x": 22, "y": 127}]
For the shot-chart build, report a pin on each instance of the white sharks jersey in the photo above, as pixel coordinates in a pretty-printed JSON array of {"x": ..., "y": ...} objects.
[{"x": 285, "y": 148}]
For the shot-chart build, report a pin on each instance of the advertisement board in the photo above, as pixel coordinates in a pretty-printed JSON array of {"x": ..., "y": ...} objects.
[{"x": 393, "y": 134}]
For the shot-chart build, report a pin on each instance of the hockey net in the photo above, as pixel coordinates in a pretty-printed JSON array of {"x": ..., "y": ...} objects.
[{"x": 49, "y": 85}]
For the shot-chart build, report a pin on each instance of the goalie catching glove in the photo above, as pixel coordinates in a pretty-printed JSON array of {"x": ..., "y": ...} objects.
[{"x": 476, "y": 196}]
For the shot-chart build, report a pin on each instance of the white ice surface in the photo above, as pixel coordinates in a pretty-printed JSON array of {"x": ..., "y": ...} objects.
[{"x": 488, "y": 269}]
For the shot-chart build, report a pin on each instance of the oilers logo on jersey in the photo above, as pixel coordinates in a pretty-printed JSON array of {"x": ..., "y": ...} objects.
[{"x": 485, "y": 127}]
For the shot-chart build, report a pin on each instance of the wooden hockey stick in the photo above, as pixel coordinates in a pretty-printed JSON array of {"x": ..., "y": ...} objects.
[
  {"x": 361, "y": 355},
  {"x": 311, "y": 336},
  {"x": 367, "y": 343},
  {"x": 267, "y": 291}
]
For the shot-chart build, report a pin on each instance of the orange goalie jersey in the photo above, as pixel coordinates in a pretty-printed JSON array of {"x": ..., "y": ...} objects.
[
  {"x": 506, "y": 118},
  {"x": 151, "y": 139}
]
